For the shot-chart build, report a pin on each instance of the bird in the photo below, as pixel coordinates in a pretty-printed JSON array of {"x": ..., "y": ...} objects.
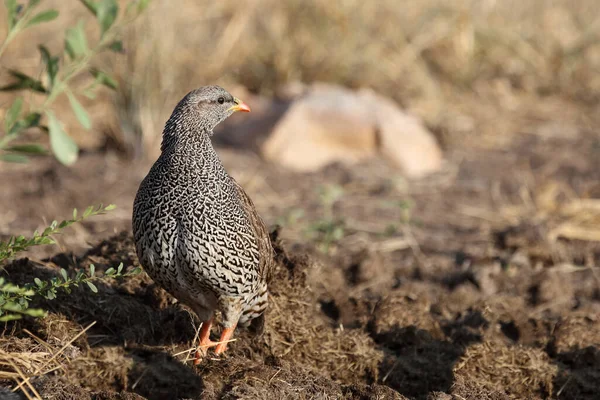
[{"x": 197, "y": 233}]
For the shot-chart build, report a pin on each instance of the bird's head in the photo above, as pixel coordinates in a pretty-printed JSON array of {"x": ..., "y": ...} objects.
[{"x": 210, "y": 105}]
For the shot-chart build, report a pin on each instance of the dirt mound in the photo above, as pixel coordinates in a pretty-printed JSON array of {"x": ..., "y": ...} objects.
[
  {"x": 476, "y": 285},
  {"x": 141, "y": 338},
  {"x": 516, "y": 370}
]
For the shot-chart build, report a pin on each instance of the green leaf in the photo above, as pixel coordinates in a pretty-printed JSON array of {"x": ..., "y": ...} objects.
[
  {"x": 64, "y": 148},
  {"x": 135, "y": 271},
  {"x": 93, "y": 287},
  {"x": 47, "y": 240},
  {"x": 80, "y": 113},
  {"x": 90, "y": 5},
  {"x": 12, "y": 288},
  {"x": 31, "y": 120},
  {"x": 51, "y": 64},
  {"x": 35, "y": 312},
  {"x": 74, "y": 213},
  {"x": 10, "y": 317},
  {"x": 116, "y": 46},
  {"x": 103, "y": 78},
  {"x": 75, "y": 42},
  {"x": 44, "y": 16},
  {"x": 92, "y": 269},
  {"x": 12, "y": 306},
  {"x": 45, "y": 54},
  {"x": 64, "y": 274},
  {"x": 23, "y": 82},
  {"x": 120, "y": 268},
  {"x": 11, "y": 13},
  {"x": 33, "y": 3},
  {"x": 31, "y": 148},
  {"x": 107, "y": 11},
  {"x": 38, "y": 282},
  {"x": 110, "y": 207},
  {"x": 14, "y": 158},
  {"x": 109, "y": 271},
  {"x": 12, "y": 114}
]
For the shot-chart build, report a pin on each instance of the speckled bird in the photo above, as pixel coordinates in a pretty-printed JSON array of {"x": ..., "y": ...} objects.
[{"x": 196, "y": 231}]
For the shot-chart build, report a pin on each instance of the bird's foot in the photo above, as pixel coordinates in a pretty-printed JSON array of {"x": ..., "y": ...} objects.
[
  {"x": 202, "y": 350},
  {"x": 225, "y": 338},
  {"x": 205, "y": 342}
]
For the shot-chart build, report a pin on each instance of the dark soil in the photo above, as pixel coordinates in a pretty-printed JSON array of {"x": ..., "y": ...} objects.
[{"x": 470, "y": 284}]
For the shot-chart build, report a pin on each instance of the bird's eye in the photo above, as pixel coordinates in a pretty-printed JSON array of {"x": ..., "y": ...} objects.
[{"x": 221, "y": 100}]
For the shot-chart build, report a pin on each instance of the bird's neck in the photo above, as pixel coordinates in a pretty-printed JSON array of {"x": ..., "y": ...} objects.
[
  {"x": 187, "y": 141},
  {"x": 190, "y": 149},
  {"x": 186, "y": 146},
  {"x": 185, "y": 134}
]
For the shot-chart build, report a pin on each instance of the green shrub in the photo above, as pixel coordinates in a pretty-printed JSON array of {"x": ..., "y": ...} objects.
[
  {"x": 14, "y": 299},
  {"x": 60, "y": 70}
]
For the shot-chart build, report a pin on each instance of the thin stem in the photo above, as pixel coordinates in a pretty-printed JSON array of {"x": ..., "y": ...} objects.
[
  {"x": 6, "y": 140},
  {"x": 15, "y": 30},
  {"x": 11, "y": 35}
]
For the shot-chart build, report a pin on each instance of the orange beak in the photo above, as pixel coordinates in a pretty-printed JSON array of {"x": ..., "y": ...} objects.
[{"x": 240, "y": 105}]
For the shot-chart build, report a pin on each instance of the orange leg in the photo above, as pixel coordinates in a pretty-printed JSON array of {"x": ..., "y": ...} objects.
[
  {"x": 205, "y": 341},
  {"x": 225, "y": 337}
]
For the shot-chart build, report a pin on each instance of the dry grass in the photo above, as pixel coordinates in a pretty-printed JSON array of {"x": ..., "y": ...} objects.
[
  {"x": 27, "y": 358},
  {"x": 404, "y": 50},
  {"x": 410, "y": 51}
]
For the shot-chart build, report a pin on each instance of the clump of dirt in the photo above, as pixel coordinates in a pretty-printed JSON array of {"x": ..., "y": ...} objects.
[
  {"x": 467, "y": 389},
  {"x": 577, "y": 331},
  {"x": 513, "y": 369},
  {"x": 101, "y": 368},
  {"x": 576, "y": 344},
  {"x": 60, "y": 389},
  {"x": 403, "y": 310},
  {"x": 423, "y": 366},
  {"x": 579, "y": 375},
  {"x": 280, "y": 380},
  {"x": 296, "y": 330}
]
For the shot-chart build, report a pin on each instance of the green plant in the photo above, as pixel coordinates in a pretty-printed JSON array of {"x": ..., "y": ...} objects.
[
  {"x": 60, "y": 72},
  {"x": 14, "y": 299},
  {"x": 16, "y": 244},
  {"x": 328, "y": 230}
]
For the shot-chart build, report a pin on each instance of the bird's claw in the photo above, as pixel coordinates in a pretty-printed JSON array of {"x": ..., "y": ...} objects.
[{"x": 202, "y": 351}]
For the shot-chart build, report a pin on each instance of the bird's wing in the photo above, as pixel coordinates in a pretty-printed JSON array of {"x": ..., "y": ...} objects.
[{"x": 263, "y": 239}]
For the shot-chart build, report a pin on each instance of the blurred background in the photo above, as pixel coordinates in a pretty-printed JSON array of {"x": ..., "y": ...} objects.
[{"x": 476, "y": 73}]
